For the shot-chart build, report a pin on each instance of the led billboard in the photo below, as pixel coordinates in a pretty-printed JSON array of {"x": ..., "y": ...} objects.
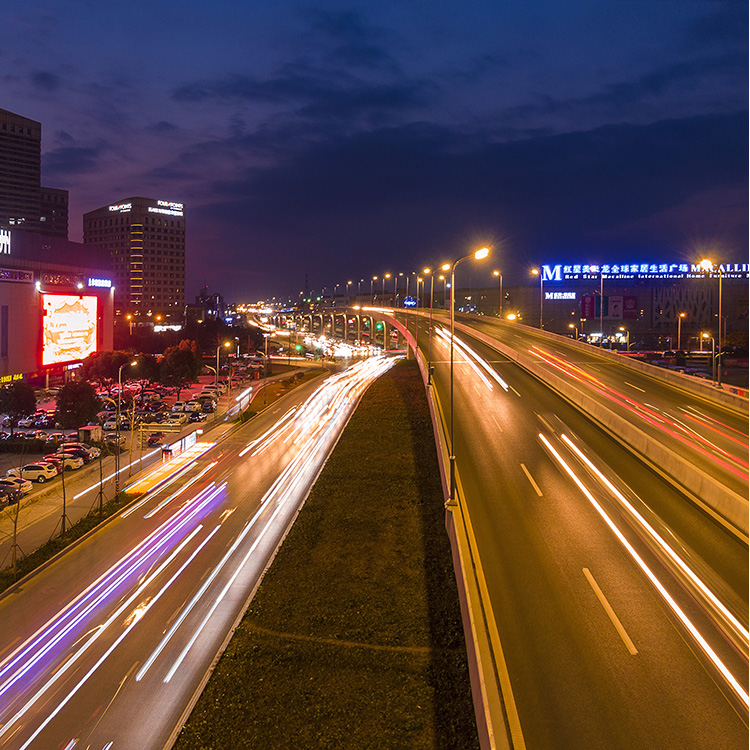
[{"x": 69, "y": 327}]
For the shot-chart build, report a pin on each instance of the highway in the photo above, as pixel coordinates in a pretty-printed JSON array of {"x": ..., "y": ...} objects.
[
  {"x": 108, "y": 646},
  {"x": 620, "y": 606}
]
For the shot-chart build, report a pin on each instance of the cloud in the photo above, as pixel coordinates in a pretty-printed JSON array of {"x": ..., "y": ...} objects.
[
  {"x": 162, "y": 127},
  {"x": 65, "y": 161},
  {"x": 410, "y": 195},
  {"x": 44, "y": 80}
]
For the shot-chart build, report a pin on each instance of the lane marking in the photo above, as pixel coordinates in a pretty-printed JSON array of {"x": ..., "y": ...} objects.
[
  {"x": 642, "y": 390},
  {"x": 545, "y": 423},
  {"x": 514, "y": 391},
  {"x": 497, "y": 424},
  {"x": 531, "y": 479},
  {"x": 610, "y": 613}
]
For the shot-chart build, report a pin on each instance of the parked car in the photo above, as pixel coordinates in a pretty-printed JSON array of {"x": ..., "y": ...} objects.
[
  {"x": 17, "y": 483},
  {"x": 112, "y": 438},
  {"x": 209, "y": 407},
  {"x": 27, "y": 421},
  {"x": 9, "y": 495},
  {"x": 197, "y": 416},
  {"x": 40, "y": 471},
  {"x": 155, "y": 438},
  {"x": 55, "y": 437},
  {"x": 176, "y": 418},
  {"x": 192, "y": 406},
  {"x": 178, "y": 406},
  {"x": 68, "y": 461},
  {"x": 76, "y": 451}
]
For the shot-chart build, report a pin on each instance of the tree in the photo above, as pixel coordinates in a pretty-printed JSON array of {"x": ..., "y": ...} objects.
[
  {"x": 77, "y": 404},
  {"x": 181, "y": 364},
  {"x": 147, "y": 368},
  {"x": 17, "y": 400},
  {"x": 103, "y": 367}
]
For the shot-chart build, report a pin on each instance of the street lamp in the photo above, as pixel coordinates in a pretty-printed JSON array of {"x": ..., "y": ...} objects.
[
  {"x": 537, "y": 272},
  {"x": 216, "y": 376},
  {"x": 333, "y": 301},
  {"x": 478, "y": 255},
  {"x": 445, "y": 284},
  {"x": 372, "y": 294},
  {"x": 627, "y": 336},
  {"x": 348, "y": 284},
  {"x": 708, "y": 265},
  {"x": 679, "y": 330},
  {"x": 713, "y": 354},
  {"x": 117, "y": 423},
  {"x": 575, "y": 327},
  {"x": 500, "y": 289},
  {"x": 385, "y": 276}
]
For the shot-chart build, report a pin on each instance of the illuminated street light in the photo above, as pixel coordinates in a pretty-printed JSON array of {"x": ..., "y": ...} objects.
[
  {"x": 627, "y": 336},
  {"x": 372, "y": 293},
  {"x": 679, "y": 330},
  {"x": 500, "y": 290},
  {"x": 537, "y": 272},
  {"x": 478, "y": 255},
  {"x": 117, "y": 423},
  {"x": 708, "y": 266},
  {"x": 575, "y": 327},
  {"x": 713, "y": 354}
]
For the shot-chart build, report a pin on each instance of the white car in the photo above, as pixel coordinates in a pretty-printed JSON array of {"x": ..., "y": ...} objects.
[
  {"x": 176, "y": 418},
  {"x": 178, "y": 406},
  {"x": 17, "y": 483},
  {"x": 37, "y": 472},
  {"x": 69, "y": 461},
  {"x": 192, "y": 406}
]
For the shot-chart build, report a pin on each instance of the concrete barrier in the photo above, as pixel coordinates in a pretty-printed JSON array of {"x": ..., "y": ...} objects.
[{"x": 700, "y": 486}]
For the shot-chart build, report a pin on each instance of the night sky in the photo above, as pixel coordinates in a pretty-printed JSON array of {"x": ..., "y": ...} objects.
[{"x": 343, "y": 140}]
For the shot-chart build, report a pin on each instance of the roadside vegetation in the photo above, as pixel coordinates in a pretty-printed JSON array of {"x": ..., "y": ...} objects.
[{"x": 354, "y": 637}]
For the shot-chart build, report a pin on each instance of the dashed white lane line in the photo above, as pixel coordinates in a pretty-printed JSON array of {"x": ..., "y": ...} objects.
[
  {"x": 531, "y": 479},
  {"x": 610, "y": 613}
]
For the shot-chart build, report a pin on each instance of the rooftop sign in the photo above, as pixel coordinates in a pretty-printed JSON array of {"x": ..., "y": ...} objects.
[
  {"x": 121, "y": 207},
  {"x": 4, "y": 241},
  {"x": 635, "y": 271}
]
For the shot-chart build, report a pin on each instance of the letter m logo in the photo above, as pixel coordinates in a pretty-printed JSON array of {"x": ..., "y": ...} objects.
[{"x": 551, "y": 274}]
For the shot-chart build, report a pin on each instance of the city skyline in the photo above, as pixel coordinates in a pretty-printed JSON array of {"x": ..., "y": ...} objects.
[{"x": 335, "y": 143}]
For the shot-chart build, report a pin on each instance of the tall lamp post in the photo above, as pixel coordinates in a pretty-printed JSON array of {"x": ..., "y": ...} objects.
[
  {"x": 708, "y": 266},
  {"x": 500, "y": 290},
  {"x": 216, "y": 371},
  {"x": 575, "y": 328},
  {"x": 679, "y": 329},
  {"x": 385, "y": 276},
  {"x": 713, "y": 353},
  {"x": 444, "y": 267},
  {"x": 372, "y": 293},
  {"x": 537, "y": 272},
  {"x": 444, "y": 279},
  {"x": 117, "y": 423},
  {"x": 478, "y": 255}
]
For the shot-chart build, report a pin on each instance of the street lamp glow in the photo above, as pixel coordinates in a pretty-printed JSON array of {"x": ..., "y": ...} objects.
[
  {"x": 480, "y": 254},
  {"x": 511, "y": 316}
]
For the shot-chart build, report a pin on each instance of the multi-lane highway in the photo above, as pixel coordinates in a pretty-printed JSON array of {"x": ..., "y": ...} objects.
[
  {"x": 620, "y": 606},
  {"x": 107, "y": 647}
]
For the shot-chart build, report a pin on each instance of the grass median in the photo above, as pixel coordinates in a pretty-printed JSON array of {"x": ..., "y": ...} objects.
[{"x": 354, "y": 638}]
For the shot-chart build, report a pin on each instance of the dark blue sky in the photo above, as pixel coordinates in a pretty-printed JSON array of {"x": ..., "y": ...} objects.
[{"x": 343, "y": 140}]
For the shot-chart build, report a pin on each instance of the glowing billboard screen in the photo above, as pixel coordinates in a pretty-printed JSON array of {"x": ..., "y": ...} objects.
[{"x": 69, "y": 327}]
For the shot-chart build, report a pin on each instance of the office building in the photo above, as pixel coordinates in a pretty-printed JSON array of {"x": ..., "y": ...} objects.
[
  {"x": 145, "y": 239},
  {"x": 24, "y": 203}
]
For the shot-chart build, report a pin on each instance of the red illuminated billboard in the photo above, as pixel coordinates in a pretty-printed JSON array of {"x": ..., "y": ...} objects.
[{"x": 68, "y": 327}]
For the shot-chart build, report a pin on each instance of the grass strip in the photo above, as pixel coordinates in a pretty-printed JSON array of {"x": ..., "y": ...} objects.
[{"x": 354, "y": 638}]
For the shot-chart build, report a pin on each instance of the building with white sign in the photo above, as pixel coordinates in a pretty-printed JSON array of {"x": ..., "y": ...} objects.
[
  {"x": 56, "y": 306},
  {"x": 145, "y": 241}
]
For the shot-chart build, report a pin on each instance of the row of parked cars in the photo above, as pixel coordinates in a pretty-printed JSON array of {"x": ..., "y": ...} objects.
[{"x": 69, "y": 457}]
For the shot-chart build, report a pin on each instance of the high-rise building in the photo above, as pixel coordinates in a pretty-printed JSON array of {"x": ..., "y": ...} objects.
[
  {"x": 146, "y": 241},
  {"x": 24, "y": 203}
]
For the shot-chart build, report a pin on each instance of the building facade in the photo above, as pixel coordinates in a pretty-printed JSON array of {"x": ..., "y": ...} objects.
[
  {"x": 144, "y": 239},
  {"x": 24, "y": 203},
  {"x": 56, "y": 307}
]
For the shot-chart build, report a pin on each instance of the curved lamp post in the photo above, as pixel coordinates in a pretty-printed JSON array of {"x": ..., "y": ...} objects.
[
  {"x": 537, "y": 272},
  {"x": 117, "y": 423},
  {"x": 478, "y": 255},
  {"x": 500, "y": 289}
]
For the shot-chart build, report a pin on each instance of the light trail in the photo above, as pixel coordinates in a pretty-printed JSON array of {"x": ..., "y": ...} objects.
[
  {"x": 646, "y": 413},
  {"x": 739, "y": 630},
  {"x": 731, "y": 680}
]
